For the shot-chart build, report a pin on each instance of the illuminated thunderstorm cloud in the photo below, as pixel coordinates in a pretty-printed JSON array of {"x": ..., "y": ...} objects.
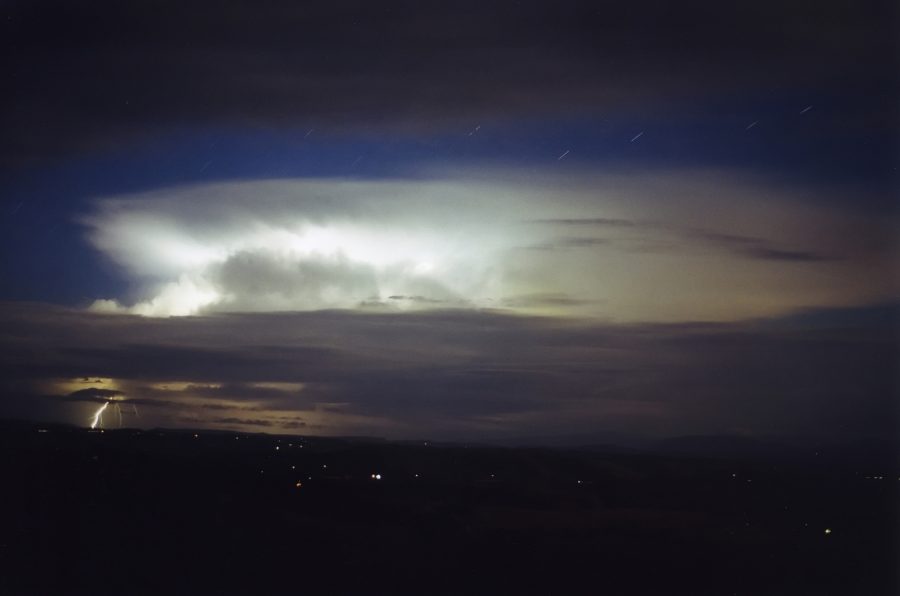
[{"x": 625, "y": 247}]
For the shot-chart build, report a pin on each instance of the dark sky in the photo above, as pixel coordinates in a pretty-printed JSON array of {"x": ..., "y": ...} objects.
[{"x": 475, "y": 220}]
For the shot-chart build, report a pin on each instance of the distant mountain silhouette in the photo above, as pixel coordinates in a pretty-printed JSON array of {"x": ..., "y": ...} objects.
[{"x": 724, "y": 446}]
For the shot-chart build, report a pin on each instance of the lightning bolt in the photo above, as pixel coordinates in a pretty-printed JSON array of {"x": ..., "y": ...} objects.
[{"x": 98, "y": 414}]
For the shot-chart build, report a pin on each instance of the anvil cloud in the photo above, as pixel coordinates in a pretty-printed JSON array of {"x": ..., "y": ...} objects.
[{"x": 643, "y": 246}]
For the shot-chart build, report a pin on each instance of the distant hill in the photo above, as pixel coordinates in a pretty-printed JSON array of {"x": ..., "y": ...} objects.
[{"x": 857, "y": 453}]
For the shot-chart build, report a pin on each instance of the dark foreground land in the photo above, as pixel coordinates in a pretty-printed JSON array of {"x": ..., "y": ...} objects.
[{"x": 168, "y": 512}]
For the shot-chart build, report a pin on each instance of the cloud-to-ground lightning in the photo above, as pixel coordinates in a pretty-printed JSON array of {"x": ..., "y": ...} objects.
[
  {"x": 97, "y": 419},
  {"x": 98, "y": 414}
]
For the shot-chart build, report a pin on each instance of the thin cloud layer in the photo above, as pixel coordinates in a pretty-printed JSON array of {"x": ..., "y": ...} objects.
[
  {"x": 457, "y": 374},
  {"x": 106, "y": 74}
]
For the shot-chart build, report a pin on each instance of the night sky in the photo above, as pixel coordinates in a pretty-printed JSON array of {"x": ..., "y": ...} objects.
[{"x": 483, "y": 221}]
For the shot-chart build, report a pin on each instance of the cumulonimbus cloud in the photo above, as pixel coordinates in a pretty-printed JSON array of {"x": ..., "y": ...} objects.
[{"x": 469, "y": 240}]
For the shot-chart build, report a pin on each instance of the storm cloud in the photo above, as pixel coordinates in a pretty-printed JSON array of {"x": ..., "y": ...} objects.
[
  {"x": 463, "y": 374},
  {"x": 481, "y": 239},
  {"x": 467, "y": 220}
]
